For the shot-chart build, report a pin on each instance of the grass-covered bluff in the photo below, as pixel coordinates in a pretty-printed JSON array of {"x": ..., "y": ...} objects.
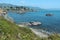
[{"x": 11, "y": 31}]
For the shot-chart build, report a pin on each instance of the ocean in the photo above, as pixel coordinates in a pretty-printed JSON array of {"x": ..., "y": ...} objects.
[{"x": 49, "y": 23}]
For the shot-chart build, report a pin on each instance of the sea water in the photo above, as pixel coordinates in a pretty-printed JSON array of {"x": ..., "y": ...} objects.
[{"x": 49, "y": 23}]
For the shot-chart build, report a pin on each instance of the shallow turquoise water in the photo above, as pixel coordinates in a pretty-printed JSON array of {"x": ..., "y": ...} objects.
[{"x": 50, "y": 23}]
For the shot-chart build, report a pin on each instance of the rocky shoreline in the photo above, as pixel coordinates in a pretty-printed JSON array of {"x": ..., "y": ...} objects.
[{"x": 41, "y": 33}]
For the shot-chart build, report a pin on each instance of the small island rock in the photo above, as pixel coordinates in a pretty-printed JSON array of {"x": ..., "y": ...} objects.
[{"x": 49, "y": 14}]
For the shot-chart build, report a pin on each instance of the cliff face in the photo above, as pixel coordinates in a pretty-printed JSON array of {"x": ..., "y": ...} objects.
[{"x": 10, "y": 31}]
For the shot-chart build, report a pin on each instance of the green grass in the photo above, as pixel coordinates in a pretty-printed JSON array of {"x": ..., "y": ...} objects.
[
  {"x": 10, "y": 31},
  {"x": 54, "y": 37}
]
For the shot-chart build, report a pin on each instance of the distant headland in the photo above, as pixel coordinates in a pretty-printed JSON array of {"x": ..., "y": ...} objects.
[{"x": 19, "y": 9}]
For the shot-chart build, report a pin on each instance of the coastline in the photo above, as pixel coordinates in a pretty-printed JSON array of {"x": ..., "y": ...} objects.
[
  {"x": 41, "y": 33},
  {"x": 21, "y": 25}
]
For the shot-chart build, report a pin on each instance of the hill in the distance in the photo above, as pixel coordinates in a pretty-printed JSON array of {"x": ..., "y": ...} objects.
[{"x": 18, "y": 8}]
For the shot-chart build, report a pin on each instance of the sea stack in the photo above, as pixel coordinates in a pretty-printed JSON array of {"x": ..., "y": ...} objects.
[{"x": 49, "y": 14}]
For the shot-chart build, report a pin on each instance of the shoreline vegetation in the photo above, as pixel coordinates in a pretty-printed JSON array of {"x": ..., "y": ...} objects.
[
  {"x": 10, "y": 31},
  {"x": 41, "y": 33}
]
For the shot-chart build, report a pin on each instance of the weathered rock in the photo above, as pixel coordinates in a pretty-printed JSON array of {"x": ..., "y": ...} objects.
[
  {"x": 49, "y": 14},
  {"x": 34, "y": 23}
]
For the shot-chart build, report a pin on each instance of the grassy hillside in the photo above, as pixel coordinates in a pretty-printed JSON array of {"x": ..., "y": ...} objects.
[
  {"x": 52, "y": 37},
  {"x": 10, "y": 31}
]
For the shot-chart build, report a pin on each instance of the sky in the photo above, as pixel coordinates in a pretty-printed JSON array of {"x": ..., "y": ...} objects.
[{"x": 46, "y": 4}]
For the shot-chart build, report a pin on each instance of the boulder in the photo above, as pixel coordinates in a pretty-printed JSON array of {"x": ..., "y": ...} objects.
[
  {"x": 49, "y": 14},
  {"x": 34, "y": 23}
]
